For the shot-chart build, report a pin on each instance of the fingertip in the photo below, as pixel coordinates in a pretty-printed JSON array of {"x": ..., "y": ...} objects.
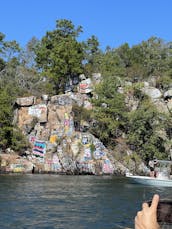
[
  {"x": 156, "y": 197},
  {"x": 145, "y": 205},
  {"x": 155, "y": 201}
]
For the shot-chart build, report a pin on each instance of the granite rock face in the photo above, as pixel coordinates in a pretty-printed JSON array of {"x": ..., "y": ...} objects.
[{"x": 56, "y": 146}]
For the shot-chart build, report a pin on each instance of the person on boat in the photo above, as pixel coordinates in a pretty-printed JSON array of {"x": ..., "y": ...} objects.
[
  {"x": 147, "y": 217},
  {"x": 152, "y": 165}
]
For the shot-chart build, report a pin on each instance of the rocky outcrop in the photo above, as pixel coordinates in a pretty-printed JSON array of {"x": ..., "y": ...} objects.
[
  {"x": 57, "y": 146},
  {"x": 27, "y": 101},
  {"x": 48, "y": 124},
  {"x": 161, "y": 99},
  {"x": 11, "y": 162}
]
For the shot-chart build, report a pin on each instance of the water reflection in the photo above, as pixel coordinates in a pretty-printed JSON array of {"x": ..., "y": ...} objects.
[{"x": 52, "y": 201}]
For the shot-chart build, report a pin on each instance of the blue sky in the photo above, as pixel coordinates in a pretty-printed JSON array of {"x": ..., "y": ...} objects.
[{"x": 113, "y": 22}]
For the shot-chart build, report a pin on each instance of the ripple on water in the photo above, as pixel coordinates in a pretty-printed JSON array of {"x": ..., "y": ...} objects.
[{"x": 53, "y": 201}]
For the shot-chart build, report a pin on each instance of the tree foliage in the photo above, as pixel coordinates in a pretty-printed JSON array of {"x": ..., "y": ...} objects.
[
  {"x": 49, "y": 64},
  {"x": 6, "y": 117},
  {"x": 60, "y": 55},
  {"x": 109, "y": 111},
  {"x": 143, "y": 131},
  {"x": 93, "y": 55}
]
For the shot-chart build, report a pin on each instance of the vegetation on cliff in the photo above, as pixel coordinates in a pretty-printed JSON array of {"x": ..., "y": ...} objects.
[{"x": 48, "y": 65}]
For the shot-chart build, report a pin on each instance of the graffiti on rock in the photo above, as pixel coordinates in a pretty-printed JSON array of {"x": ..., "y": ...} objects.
[
  {"x": 17, "y": 168},
  {"x": 54, "y": 163},
  {"x": 39, "y": 148},
  {"x": 85, "y": 86},
  {"x": 86, "y": 167},
  {"x": 98, "y": 154},
  {"x": 32, "y": 139},
  {"x": 85, "y": 140},
  {"x": 108, "y": 167},
  {"x": 53, "y": 139},
  {"x": 37, "y": 110},
  {"x": 68, "y": 124},
  {"x": 87, "y": 154}
]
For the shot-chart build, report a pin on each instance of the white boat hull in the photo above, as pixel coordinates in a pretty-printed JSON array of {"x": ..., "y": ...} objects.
[{"x": 145, "y": 180}]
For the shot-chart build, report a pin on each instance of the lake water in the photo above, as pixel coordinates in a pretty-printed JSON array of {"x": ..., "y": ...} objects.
[{"x": 71, "y": 202}]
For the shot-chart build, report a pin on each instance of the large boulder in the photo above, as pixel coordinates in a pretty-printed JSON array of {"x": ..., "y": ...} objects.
[
  {"x": 85, "y": 86},
  {"x": 152, "y": 92},
  {"x": 61, "y": 100},
  {"x": 26, "y": 101}
]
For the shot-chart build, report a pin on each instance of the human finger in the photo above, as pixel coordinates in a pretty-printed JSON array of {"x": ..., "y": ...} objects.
[
  {"x": 139, "y": 214},
  {"x": 155, "y": 201},
  {"x": 145, "y": 205},
  {"x": 137, "y": 224}
]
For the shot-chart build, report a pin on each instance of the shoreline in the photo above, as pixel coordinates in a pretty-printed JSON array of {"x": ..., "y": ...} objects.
[{"x": 57, "y": 173}]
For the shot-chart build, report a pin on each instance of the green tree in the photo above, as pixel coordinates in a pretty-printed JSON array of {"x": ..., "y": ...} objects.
[
  {"x": 60, "y": 55},
  {"x": 10, "y": 136},
  {"x": 109, "y": 111},
  {"x": 19, "y": 143},
  {"x": 9, "y": 50},
  {"x": 2, "y": 36},
  {"x": 164, "y": 82},
  {"x": 143, "y": 128},
  {"x": 111, "y": 64},
  {"x": 93, "y": 55},
  {"x": 6, "y": 117},
  {"x": 148, "y": 58},
  {"x": 2, "y": 62},
  {"x": 124, "y": 53}
]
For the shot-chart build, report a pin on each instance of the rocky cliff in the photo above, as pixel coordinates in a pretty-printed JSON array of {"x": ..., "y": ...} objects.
[{"x": 56, "y": 145}]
